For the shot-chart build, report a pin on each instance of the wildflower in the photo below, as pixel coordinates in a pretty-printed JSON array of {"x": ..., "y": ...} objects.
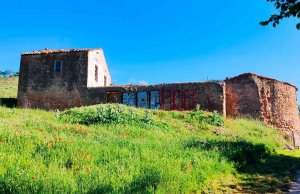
[
  {"x": 188, "y": 166},
  {"x": 59, "y": 139},
  {"x": 33, "y": 178},
  {"x": 89, "y": 169},
  {"x": 57, "y": 128},
  {"x": 125, "y": 135},
  {"x": 50, "y": 143}
]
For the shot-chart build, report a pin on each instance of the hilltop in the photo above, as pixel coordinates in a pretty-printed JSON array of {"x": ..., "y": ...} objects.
[
  {"x": 117, "y": 149},
  {"x": 8, "y": 73}
]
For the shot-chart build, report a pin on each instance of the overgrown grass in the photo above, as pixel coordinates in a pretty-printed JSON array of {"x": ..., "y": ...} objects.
[{"x": 82, "y": 151}]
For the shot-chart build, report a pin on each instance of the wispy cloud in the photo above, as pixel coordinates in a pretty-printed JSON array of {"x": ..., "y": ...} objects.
[{"x": 143, "y": 83}]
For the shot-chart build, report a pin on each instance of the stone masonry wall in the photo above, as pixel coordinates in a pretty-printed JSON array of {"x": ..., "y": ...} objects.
[
  {"x": 242, "y": 98},
  {"x": 272, "y": 101},
  {"x": 41, "y": 87},
  {"x": 181, "y": 96},
  {"x": 279, "y": 105}
]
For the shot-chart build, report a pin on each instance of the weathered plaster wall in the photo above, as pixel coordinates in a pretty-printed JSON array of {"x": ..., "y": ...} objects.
[
  {"x": 41, "y": 87},
  {"x": 96, "y": 57}
]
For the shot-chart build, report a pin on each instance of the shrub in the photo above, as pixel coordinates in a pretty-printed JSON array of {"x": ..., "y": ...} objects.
[
  {"x": 212, "y": 119},
  {"x": 106, "y": 114}
]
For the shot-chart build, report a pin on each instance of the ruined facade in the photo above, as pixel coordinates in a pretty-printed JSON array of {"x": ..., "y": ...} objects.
[
  {"x": 263, "y": 98},
  {"x": 51, "y": 79},
  {"x": 60, "y": 79}
]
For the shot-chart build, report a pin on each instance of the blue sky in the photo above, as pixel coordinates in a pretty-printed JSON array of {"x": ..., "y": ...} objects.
[{"x": 156, "y": 41}]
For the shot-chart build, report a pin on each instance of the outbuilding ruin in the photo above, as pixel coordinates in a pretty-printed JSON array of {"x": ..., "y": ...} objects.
[{"x": 61, "y": 79}]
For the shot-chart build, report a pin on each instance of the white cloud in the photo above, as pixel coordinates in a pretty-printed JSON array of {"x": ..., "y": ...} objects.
[{"x": 143, "y": 83}]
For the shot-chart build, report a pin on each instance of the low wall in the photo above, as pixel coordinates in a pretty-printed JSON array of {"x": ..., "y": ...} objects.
[{"x": 181, "y": 96}]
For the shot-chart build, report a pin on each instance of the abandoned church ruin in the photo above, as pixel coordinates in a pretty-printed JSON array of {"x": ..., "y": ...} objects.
[{"x": 60, "y": 79}]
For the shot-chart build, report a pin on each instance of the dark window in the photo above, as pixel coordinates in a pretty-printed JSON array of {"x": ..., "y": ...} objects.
[
  {"x": 96, "y": 73},
  {"x": 57, "y": 67},
  {"x": 104, "y": 80}
]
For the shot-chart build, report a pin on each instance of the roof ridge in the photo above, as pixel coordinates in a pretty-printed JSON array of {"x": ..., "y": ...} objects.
[
  {"x": 263, "y": 77},
  {"x": 49, "y": 51}
]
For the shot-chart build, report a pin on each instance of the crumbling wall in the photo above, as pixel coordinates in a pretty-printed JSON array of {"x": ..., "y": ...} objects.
[
  {"x": 279, "y": 105},
  {"x": 242, "y": 98},
  {"x": 178, "y": 96},
  {"x": 274, "y": 102},
  {"x": 41, "y": 87}
]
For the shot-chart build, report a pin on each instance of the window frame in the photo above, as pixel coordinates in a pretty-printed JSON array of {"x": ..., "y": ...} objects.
[
  {"x": 60, "y": 70},
  {"x": 105, "y": 81}
]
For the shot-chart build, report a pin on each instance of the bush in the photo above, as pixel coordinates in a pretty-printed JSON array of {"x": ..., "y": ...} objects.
[
  {"x": 212, "y": 119},
  {"x": 106, "y": 114}
]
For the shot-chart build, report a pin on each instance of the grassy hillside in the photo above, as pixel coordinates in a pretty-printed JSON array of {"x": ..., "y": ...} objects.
[
  {"x": 9, "y": 87},
  {"x": 121, "y": 150},
  {"x": 117, "y": 149}
]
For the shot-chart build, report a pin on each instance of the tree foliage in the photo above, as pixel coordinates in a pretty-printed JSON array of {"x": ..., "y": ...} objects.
[{"x": 287, "y": 9}]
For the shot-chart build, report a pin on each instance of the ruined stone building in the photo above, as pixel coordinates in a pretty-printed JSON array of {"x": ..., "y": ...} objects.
[{"x": 60, "y": 79}]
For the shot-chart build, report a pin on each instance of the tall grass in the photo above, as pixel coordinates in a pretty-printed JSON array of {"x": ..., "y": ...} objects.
[{"x": 117, "y": 149}]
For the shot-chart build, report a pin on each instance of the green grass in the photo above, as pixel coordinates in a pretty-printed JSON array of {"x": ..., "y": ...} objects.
[
  {"x": 166, "y": 153},
  {"x": 117, "y": 149},
  {"x": 9, "y": 87}
]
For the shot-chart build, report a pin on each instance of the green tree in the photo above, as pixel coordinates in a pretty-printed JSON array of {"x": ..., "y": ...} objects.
[{"x": 286, "y": 8}]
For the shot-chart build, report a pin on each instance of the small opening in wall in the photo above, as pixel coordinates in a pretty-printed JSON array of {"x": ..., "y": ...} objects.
[
  {"x": 57, "y": 67},
  {"x": 105, "y": 81},
  {"x": 96, "y": 73}
]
